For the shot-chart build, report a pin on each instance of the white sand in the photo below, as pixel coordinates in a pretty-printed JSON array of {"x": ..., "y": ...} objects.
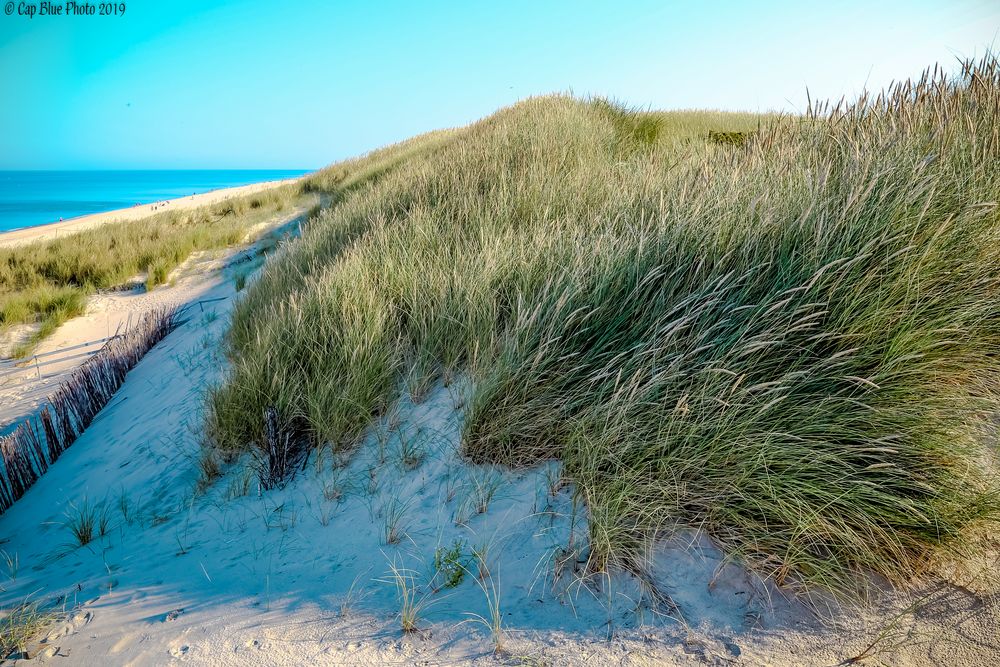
[
  {"x": 72, "y": 225},
  {"x": 301, "y": 575}
]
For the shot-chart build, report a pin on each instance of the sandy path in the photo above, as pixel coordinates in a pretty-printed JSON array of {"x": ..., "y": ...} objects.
[
  {"x": 57, "y": 229},
  {"x": 24, "y": 387}
]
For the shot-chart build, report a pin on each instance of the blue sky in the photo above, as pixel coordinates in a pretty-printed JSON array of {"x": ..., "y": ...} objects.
[{"x": 253, "y": 84}]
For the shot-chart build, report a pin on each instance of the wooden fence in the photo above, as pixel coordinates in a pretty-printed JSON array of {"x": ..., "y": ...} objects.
[{"x": 35, "y": 444}]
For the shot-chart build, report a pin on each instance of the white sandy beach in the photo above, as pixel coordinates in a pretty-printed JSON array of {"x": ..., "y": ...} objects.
[{"x": 66, "y": 227}]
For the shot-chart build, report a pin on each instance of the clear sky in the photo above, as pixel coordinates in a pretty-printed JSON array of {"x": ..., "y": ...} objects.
[{"x": 254, "y": 84}]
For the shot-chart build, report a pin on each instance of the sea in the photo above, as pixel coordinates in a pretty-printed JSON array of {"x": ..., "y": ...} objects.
[{"x": 31, "y": 198}]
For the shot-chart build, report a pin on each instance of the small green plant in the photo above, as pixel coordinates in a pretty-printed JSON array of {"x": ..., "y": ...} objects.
[
  {"x": 411, "y": 454},
  {"x": 84, "y": 522},
  {"x": 209, "y": 468},
  {"x": 393, "y": 514},
  {"x": 103, "y": 522},
  {"x": 450, "y": 564},
  {"x": 484, "y": 488},
  {"x": 240, "y": 281},
  {"x": 11, "y": 564},
  {"x": 239, "y": 486},
  {"x": 126, "y": 509},
  {"x": 479, "y": 493},
  {"x": 408, "y": 595},
  {"x": 493, "y": 621}
]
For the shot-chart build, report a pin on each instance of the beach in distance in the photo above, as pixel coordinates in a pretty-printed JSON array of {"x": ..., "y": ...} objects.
[{"x": 12, "y": 234}]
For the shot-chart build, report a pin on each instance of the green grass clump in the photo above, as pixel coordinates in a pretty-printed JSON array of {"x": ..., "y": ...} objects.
[
  {"x": 631, "y": 127},
  {"x": 86, "y": 522},
  {"x": 450, "y": 564},
  {"x": 729, "y": 138},
  {"x": 794, "y": 345},
  {"x": 21, "y": 624},
  {"x": 158, "y": 272},
  {"x": 47, "y": 282}
]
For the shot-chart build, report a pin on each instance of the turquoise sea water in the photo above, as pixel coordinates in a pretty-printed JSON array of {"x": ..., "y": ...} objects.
[{"x": 30, "y": 198}]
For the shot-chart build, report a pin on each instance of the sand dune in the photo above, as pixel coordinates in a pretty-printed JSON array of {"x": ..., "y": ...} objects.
[{"x": 232, "y": 575}]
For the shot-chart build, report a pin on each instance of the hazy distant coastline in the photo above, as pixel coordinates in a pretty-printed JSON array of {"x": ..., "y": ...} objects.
[
  {"x": 36, "y": 232},
  {"x": 34, "y": 198}
]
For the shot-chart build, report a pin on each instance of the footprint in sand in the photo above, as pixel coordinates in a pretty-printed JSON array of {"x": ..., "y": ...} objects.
[
  {"x": 46, "y": 647},
  {"x": 72, "y": 625},
  {"x": 49, "y": 651},
  {"x": 39, "y": 650}
]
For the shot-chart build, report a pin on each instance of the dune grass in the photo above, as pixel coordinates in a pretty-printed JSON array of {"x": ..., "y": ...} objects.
[
  {"x": 791, "y": 340},
  {"x": 21, "y": 624},
  {"x": 47, "y": 282}
]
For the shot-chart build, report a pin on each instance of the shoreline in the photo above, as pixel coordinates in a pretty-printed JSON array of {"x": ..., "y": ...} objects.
[{"x": 50, "y": 230}]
